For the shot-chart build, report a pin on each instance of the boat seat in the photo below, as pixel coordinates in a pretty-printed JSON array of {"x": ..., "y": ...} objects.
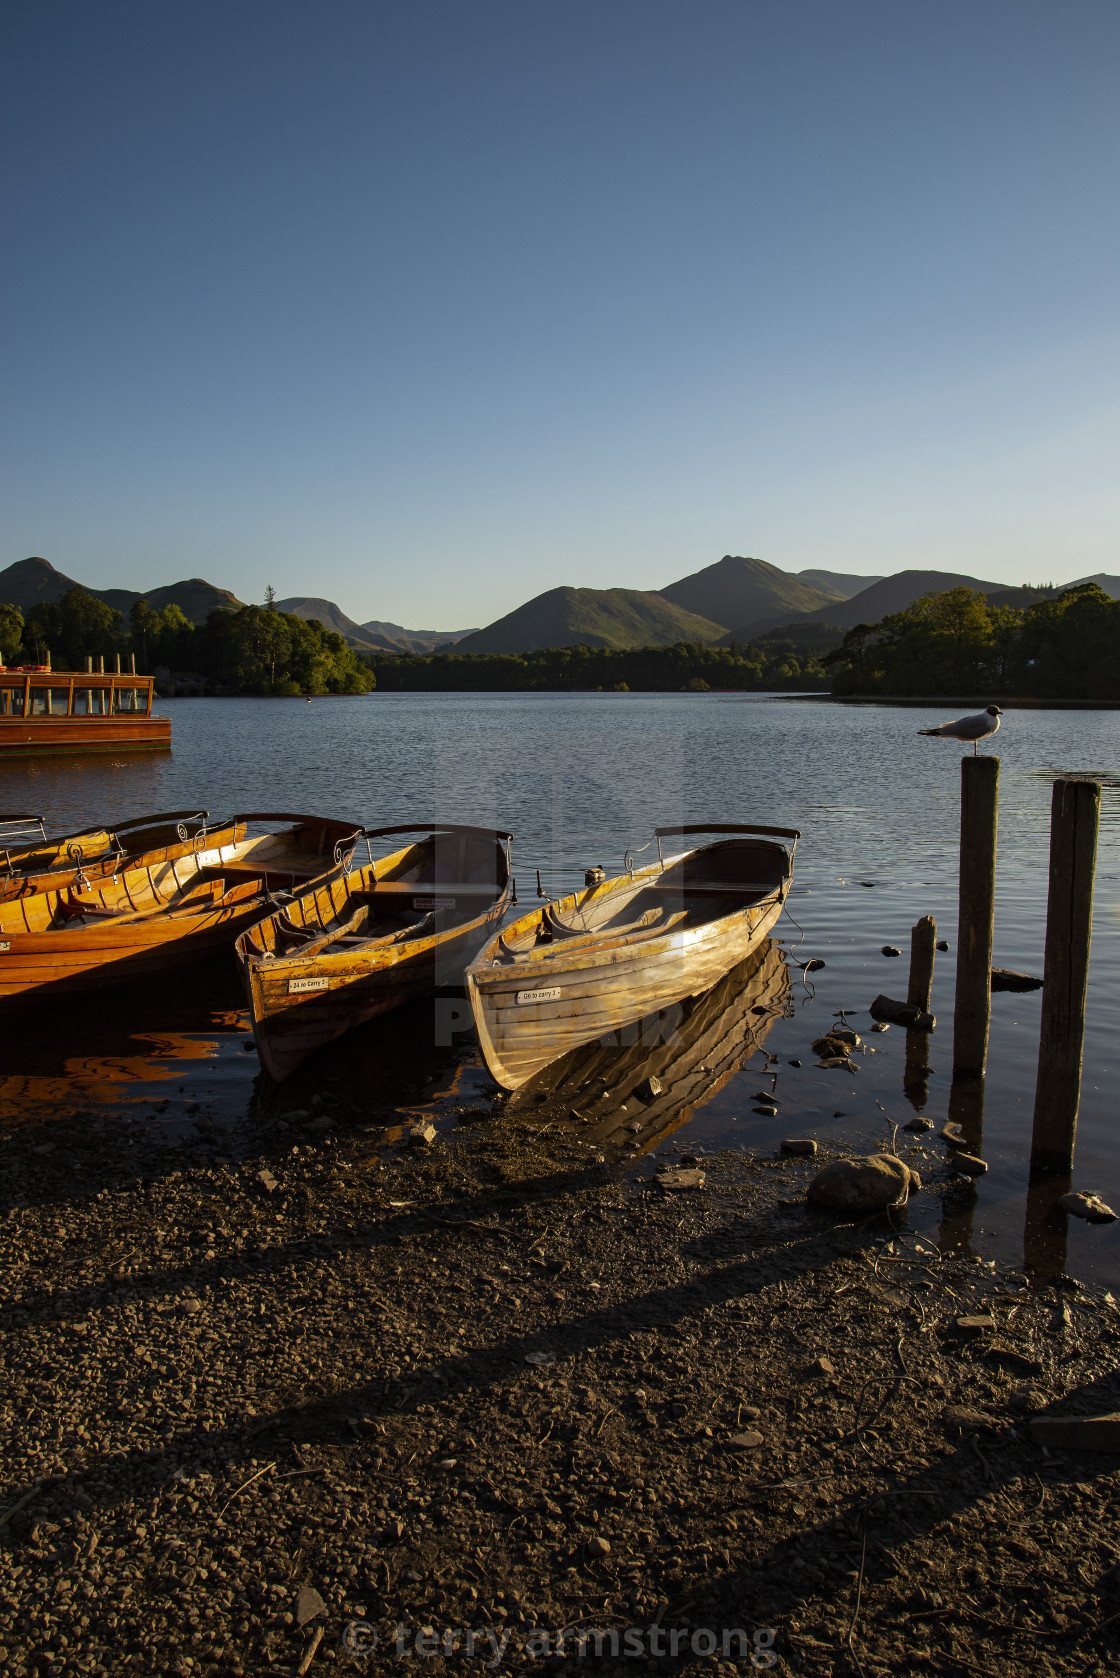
[{"x": 489, "y": 889}]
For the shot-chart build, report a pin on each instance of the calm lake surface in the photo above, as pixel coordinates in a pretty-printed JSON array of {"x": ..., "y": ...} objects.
[{"x": 581, "y": 778}]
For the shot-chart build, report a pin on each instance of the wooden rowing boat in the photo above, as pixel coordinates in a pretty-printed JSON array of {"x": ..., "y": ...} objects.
[
  {"x": 367, "y": 938},
  {"x": 149, "y": 918},
  {"x": 678, "y": 1059},
  {"x": 99, "y": 852},
  {"x": 592, "y": 963}
]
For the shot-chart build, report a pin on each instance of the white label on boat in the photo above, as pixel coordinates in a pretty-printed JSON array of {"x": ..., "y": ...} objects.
[
  {"x": 295, "y": 985},
  {"x": 539, "y": 995},
  {"x": 433, "y": 903},
  {"x": 5, "y": 944}
]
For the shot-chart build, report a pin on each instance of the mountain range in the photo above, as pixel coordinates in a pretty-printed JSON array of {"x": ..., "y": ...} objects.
[{"x": 738, "y": 598}]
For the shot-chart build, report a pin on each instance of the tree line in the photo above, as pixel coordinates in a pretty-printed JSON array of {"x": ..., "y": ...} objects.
[
  {"x": 255, "y": 650},
  {"x": 1064, "y": 647},
  {"x": 690, "y": 666}
]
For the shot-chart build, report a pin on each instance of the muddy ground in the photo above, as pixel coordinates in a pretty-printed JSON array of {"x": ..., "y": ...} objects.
[{"x": 507, "y": 1392}]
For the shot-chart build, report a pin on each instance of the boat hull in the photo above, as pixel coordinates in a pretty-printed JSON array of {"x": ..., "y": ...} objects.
[
  {"x": 601, "y": 995},
  {"x": 290, "y": 1026},
  {"x": 63, "y": 736},
  {"x": 453, "y": 887}
]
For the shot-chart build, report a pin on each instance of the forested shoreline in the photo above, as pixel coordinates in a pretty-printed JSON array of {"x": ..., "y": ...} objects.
[
  {"x": 256, "y": 650},
  {"x": 689, "y": 666},
  {"x": 1064, "y": 647}
]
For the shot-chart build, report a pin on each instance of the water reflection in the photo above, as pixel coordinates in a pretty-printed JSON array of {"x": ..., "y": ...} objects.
[
  {"x": 635, "y": 1094},
  {"x": 167, "y": 1051},
  {"x": 1045, "y": 1228}
]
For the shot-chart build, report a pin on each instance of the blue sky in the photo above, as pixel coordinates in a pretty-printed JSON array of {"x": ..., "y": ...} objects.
[{"x": 429, "y": 306}]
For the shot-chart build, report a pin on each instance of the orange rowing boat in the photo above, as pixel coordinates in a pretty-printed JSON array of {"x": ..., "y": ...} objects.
[
  {"x": 149, "y": 918},
  {"x": 368, "y": 938}
]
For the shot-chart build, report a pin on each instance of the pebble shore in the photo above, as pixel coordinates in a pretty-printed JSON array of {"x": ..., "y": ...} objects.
[{"x": 382, "y": 1403}]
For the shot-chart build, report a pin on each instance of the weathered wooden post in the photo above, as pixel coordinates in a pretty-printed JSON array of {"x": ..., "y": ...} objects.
[
  {"x": 979, "y": 824},
  {"x": 923, "y": 944},
  {"x": 1074, "y": 820}
]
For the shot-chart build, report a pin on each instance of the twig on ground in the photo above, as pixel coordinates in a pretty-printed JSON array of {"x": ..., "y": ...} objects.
[
  {"x": 260, "y": 1471},
  {"x": 316, "y": 1639},
  {"x": 22, "y": 1504}
]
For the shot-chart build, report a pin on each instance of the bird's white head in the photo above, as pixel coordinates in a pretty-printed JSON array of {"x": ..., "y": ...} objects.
[{"x": 994, "y": 711}]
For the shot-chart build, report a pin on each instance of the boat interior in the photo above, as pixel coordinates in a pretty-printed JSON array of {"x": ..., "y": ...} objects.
[
  {"x": 432, "y": 886},
  {"x": 701, "y": 886},
  {"x": 264, "y": 865}
]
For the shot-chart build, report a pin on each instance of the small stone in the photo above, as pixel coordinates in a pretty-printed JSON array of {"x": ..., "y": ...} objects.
[
  {"x": 862, "y": 1185},
  {"x": 918, "y": 1124},
  {"x": 889, "y": 950},
  {"x": 799, "y": 1145},
  {"x": 814, "y": 966},
  {"x": 837, "y": 1063},
  {"x": 308, "y": 1604},
  {"x": 447, "y": 1464},
  {"x": 394, "y": 1531},
  {"x": 746, "y": 1441},
  {"x": 959, "y": 1418},
  {"x": 880, "y": 1025},
  {"x": 902, "y": 1013},
  {"x": 597, "y": 1546},
  {"x": 422, "y": 1135},
  {"x": 1026, "y": 1400},
  {"x": 649, "y": 1089},
  {"x": 1012, "y": 1362},
  {"x": 1088, "y": 1206},
  {"x": 954, "y": 1135},
  {"x": 1004, "y": 979},
  {"x": 915, "y": 1180},
  {"x": 970, "y": 1165},
  {"x": 1078, "y": 1433},
  {"x": 267, "y": 1181},
  {"x": 794, "y": 1063},
  {"x": 982, "y": 1323},
  {"x": 675, "y": 1181},
  {"x": 832, "y": 1044},
  {"x": 765, "y": 1112},
  {"x": 942, "y": 943},
  {"x": 822, "y": 1366},
  {"x": 540, "y": 1358},
  {"x": 191, "y": 1305}
]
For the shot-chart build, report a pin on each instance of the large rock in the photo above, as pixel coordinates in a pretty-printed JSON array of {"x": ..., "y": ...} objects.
[{"x": 861, "y": 1186}]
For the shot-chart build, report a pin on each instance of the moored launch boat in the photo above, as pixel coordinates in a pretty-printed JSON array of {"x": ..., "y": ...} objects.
[
  {"x": 95, "y": 852},
  {"x": 367, "y": 938},
  {"x": 588, "y": 965},
  {"x": 150, "y": 917}
]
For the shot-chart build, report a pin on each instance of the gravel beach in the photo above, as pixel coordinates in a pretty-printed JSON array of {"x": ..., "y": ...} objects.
[{"x": 301, "y": 1396}]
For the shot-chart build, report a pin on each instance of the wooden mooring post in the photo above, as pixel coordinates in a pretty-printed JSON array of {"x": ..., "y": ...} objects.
[
  {"x": 979, "y": 825},
  {"x": 1074, "y": 822},
  {"x": 923, "y": 946}
]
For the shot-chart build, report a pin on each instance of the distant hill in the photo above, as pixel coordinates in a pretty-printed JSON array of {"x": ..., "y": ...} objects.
[
  {"x": 394, "y": 637},
  {"x": 1111, "y": 585},
  {"x": 735, "y": 590},
  {"x": 591, "y": 617},
  {"x": 840, "y": 581},
  {"x": 376, "y": 636},
  {"x": 893, "y": 594},
  {"x": 33, "y": 582},
  {"x": 331, "y": 617}
]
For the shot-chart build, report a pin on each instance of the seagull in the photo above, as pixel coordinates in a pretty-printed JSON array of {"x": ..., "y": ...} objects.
[{"x": 969, "y": 728}]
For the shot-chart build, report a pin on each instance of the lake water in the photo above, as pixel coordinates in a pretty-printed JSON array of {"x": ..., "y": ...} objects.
[{"x": 581, "y": 778}]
